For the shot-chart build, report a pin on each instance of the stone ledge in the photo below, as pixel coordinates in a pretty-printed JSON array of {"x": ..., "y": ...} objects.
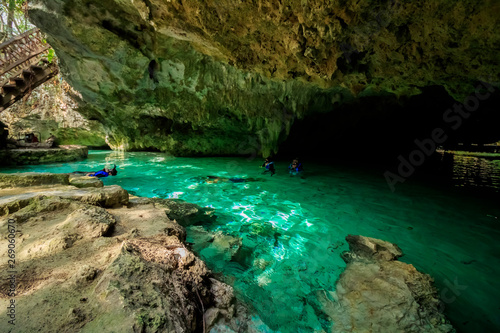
[
  {"x": 108, "y": 196},
  {"x": 32, "y": 179},
  {"x": 43, "y": 155}
]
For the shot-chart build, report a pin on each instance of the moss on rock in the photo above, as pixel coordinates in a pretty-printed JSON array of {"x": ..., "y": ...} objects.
[{"x": 32, "y": 179}]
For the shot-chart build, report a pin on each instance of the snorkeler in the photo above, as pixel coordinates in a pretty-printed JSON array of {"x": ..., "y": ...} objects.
[
  {"x": 105, "y": 172},
  {"x": 269, "y": 165},
  {"x": 295, "y": 168},
  {"x": 217, "y": 179}
]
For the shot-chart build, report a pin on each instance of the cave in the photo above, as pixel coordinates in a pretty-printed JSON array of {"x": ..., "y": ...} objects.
[{"x": 250, "y": 166}]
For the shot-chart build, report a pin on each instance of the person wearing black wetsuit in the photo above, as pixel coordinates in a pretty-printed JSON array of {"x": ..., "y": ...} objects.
[
  {"x": 269, "y": 165},
  {"x": 295, "y": 168}
]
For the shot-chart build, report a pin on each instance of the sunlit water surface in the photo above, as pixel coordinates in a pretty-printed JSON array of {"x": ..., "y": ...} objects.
[{"x": 293, "y": 230}]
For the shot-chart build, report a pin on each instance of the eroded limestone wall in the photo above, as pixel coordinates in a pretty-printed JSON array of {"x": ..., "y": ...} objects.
[{"x": 225, "y": 77}]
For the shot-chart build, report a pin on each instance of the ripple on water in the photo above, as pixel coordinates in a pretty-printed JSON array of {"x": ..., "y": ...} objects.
[{"x": 292, "y": 232}]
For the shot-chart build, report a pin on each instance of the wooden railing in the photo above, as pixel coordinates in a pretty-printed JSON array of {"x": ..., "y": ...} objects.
[
  {"x": 24, "y": 65},
  {"x": 19, "y": 53}
]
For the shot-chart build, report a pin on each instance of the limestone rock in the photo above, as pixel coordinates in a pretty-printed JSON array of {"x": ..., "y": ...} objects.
[
  {"x": 91, "y": 221},
  {"x": 43, "y": 155},
  {"x": 371, "y": 249},
  {"x": 108, "y": 196},
  {"x": 26, "y": 208},
  {"x": 52, "y": 109},
  {"x": 376, "y": 293},
  {"x": 139, "y": 278},
  {"x": 174, "y": 229},
  {"x": 82, "y": 181},
  {"x": 152, "y": 277},
  {"x": 171, "y": 75},
  {"x": 222, "y": 293},
  {"x": 85, "y": 274},
  {"x": 32, "y": 179},
  {"x": 210, "y": 316}
]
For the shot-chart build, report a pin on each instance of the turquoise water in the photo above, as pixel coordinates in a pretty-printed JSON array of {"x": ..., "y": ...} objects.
[{"x": 292, "y": 230}]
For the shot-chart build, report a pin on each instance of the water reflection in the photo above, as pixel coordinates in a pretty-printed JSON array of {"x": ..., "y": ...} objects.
[{"x": 464, "y": 170}]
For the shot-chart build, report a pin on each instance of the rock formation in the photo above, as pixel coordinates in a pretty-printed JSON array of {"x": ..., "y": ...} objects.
[
  {"x": 377, "y": 293},
  {"x": 226, "y": 77},
  {"x": 82, "y": 265},
  {"x": 52, "y": 108},
  {"x": 23, "y": 156}
]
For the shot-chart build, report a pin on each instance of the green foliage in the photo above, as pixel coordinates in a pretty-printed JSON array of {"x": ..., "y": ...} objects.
[
  {"x": 14, "y": 18},
  {"x": 50, "y": 55}
]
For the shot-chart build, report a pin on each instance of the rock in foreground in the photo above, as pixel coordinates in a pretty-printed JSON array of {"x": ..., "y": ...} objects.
[
  {"x": 377, "y": 293},
  {"x": 82, "y": 266}
]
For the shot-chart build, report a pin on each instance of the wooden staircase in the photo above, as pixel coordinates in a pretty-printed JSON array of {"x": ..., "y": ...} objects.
[{"x": 23, "y": 66}]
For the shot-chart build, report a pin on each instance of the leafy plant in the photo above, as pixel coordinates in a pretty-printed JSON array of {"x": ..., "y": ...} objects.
[
  {"x": 13, "y": 18},
  {"x": 50, "y": 56}
]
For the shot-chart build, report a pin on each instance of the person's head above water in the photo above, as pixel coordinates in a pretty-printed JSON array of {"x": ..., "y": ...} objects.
[{"x": 113, "y": 172}]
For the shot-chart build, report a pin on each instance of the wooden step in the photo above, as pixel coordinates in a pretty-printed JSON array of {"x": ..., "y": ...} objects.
[
  {"x": 27, "y": 74},
  {"x": 19, "y": 82},
  {"x": 36, "y": 68},
  {"x": 10, "y": 89}
]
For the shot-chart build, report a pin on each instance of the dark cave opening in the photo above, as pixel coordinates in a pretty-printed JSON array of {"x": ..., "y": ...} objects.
[{"x": 384, "y": 127}]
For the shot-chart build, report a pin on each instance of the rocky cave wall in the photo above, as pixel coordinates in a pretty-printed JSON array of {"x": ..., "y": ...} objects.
[
  {"x": 52, "y": 108},
  {"x": 231, "y": 77}
]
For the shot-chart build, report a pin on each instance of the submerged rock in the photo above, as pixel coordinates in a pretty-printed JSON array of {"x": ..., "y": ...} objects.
[
  {"x": 377, "y": 293},
  {"x": 182, "y": 212},
  {"x": 370, "y": 249}
]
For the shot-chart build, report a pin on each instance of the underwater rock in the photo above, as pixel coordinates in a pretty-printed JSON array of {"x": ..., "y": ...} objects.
[
  {"x": 184, "y": 213},
  {"x": 377, "y": 293},
  {"x": 227, "y": 244},
  {"x": 370, "y": 249}
]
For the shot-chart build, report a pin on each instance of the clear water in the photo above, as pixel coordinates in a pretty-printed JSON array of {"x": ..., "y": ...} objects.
[{"x": 292, "y": 230}]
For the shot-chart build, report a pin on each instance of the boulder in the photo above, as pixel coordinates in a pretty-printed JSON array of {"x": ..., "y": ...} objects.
[
  {"x": 125, "y": 269},
  {"x": 377, "y": 293},
  {"x": 371, "y": 249},
  {"x": 83, "y": 181},
  {"x": 161, "y": 280}
]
